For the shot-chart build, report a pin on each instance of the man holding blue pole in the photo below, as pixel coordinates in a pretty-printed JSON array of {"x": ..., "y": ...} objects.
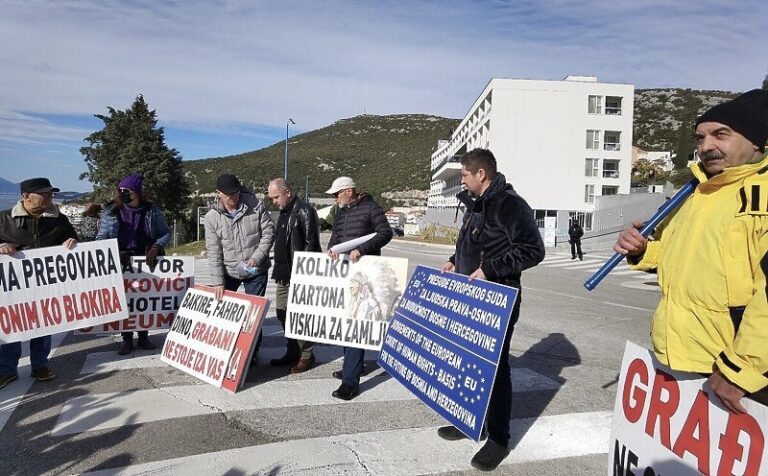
[{"x": 711, "y": 256}]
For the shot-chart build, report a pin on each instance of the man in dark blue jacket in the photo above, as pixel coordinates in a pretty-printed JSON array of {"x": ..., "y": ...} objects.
[
  {"x": 358, "y": 215},
  {"x": 498, "y": 240}
]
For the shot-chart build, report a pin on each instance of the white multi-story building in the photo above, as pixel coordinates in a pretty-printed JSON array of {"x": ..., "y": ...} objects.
[{"x": 559, "y": 143}]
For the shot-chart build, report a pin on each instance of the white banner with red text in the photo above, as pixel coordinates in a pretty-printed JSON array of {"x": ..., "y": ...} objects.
[
  {"x": 671, "y": 423},
  {"x": 344, "y": 303},
  {"x": 213, "y": 340},
  {"x": 45, "y": 291},
  {"x": 152, "y": 294}
]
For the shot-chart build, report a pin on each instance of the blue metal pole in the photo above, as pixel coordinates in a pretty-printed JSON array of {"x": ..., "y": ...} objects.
[{"x": 646, "y": 230}]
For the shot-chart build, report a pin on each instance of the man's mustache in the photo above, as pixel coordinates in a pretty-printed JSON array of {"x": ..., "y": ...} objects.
[{"x": 712, "y": 155}]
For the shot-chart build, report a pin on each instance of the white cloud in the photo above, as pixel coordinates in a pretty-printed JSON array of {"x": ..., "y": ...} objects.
[{"x": 241, "y": 63}]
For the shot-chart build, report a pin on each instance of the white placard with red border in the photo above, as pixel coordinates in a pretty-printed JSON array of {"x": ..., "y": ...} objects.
[
  {"x": 213, "y": 340},
  {"x": 671, "y": 423},
  {"x": 153, "y": 295},
  {"x": 45, "y": 291}
]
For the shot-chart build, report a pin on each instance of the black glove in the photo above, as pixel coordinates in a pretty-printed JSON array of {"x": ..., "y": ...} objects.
[{"x": 151, "y": 256}]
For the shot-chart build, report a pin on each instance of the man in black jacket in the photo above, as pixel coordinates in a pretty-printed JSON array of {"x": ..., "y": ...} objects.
[
  {"x": 358, "y": 215},
  {"x": 297, "y": 229},
  {"x": 34, "y": 222},
  {"x": 575, "y": 232},
  {"x": 498, "y": 240}
]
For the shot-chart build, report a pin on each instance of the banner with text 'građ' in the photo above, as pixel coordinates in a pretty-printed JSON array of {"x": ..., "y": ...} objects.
[{"x": 671, "y": 423}]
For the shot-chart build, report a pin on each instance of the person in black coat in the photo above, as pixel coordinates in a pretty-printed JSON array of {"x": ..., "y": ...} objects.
[
  {"x": 358, "y": 215},
  {"x": 34, "y": 222},
  {"x": 498, "y": 240},
  {"x": 297, "y": 229},
  {"x": 575, "y": 232}
]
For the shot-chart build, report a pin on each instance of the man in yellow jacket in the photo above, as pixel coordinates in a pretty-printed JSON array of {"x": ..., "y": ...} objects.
[{"x": 711, "y": 257}]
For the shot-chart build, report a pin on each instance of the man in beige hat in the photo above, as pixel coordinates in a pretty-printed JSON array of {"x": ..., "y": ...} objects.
[{"x": 358, "y": 215}]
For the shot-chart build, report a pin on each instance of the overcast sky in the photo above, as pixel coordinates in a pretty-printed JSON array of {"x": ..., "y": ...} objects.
[{"x": 225, "y": 76}]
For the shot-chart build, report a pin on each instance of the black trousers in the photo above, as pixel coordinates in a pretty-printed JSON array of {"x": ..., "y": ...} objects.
[
  {"x": 576, "y": 248},
  {"x": 500, "y": 405}
]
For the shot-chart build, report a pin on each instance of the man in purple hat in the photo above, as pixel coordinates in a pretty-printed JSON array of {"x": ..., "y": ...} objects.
[{"x": 34, "y": 222}]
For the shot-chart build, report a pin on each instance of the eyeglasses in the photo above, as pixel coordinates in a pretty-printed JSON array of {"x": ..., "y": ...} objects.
[
  {"x": 44, "y": 194},
  {"x": 336, "y": 195},
  {"x": 228, "y": 194},
  {"x": 125, "y": 190}
]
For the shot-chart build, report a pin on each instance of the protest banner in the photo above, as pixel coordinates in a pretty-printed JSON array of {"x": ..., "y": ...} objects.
[
  {"x": 343, "y": 303},
  {"x": 444, "y": 343},
  {"x": 45, "y": 291},
  {"x": 667, "y": 422},
  {"x": 152, "y": 295},
  {"x": 212, "y": 339}
]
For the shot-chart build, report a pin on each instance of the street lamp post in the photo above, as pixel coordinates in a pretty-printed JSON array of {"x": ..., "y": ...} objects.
[{"x": 289, "y": 121}]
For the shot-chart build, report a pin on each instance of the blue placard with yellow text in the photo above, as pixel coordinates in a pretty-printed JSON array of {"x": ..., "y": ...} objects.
[{"x": 444, "y": 343}]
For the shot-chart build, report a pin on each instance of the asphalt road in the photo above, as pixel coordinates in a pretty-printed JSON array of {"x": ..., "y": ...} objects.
[{"x": 135, "y": 415}]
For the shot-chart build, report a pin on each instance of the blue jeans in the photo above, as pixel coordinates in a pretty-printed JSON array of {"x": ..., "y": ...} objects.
[
  {"x": 353, "y": 366},
  {"x": 39, "y": 348},
  {"x": 255, "y": 286}
]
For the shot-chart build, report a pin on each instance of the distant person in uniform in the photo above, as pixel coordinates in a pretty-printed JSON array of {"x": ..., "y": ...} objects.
[
  {"x": 711, "y": 257},
  {"x": 575, "y": 232},
  {"x": 34, "y": 222},
  {"x": 498, "y": 240},
  {"x": 358, "y": 215}
]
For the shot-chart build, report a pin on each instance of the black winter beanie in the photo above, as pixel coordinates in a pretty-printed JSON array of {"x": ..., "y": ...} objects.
[{"x": 746, "y": 114}]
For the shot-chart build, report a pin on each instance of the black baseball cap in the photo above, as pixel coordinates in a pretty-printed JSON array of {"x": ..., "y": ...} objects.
[
  {"x": 37, "y": 185},
  {"x": 227, "y": 183}
]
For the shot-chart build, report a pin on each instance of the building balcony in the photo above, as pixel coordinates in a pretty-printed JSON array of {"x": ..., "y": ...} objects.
[
  {"x": 448, "y": 167},
  {"x": 611, "y": 174},
  {"x": 614, "y": 146}
]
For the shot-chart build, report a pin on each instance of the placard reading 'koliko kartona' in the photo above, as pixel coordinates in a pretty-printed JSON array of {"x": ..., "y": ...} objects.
[
  {"x": 671, "y": 423},
  {"x": 50, "y": 290},
  {"x": 444, "y": 343},
  {"x": 343, "y": 303},
  {"x": 213, "y": 339},
  {"x": 153, "y": 294}
]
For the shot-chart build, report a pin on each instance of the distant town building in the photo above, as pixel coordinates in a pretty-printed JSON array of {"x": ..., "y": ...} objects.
[
  {"x": 560, "y": 143},
  {"x": 664, "y": 158}
]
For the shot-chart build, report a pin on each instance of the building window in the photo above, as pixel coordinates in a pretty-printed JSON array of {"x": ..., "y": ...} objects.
[
  {"x": 593, "y": 139},
  {"x": 613, "y": 105},
  {"x": 610, "y": 169},
  {"x": 591, "y": 167},
  {"x": 612, "y": 140},
  {"x": 589, "y": 194},
  {"x": 610, "y": 190},
  {"x": 595, "y": 105}
]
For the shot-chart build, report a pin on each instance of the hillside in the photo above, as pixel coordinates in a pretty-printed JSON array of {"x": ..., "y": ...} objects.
[
  {"x": 660, "y": 112},
  {"x": 391, "y": 153},
  {"x": 383, "y": 153},
  {"x": 6, "y": 186}
]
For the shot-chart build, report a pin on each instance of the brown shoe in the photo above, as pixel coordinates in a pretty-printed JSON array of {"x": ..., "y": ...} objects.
[
  {"x": 303, "y": 365},
  {"x": 43, "y": 374},
  {"x": 6, "y": 379}
]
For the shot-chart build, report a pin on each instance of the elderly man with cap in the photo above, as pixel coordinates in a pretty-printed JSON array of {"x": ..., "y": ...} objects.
[
  {"x": 34, "y": 222},
  {"x": 711, "y": 256},
  {"x": 238, "y": 236},
  {"x": 358, "y": 215}
]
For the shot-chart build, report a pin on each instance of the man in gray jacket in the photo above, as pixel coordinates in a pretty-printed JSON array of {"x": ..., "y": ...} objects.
[{"x": 238, "y": 236}]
